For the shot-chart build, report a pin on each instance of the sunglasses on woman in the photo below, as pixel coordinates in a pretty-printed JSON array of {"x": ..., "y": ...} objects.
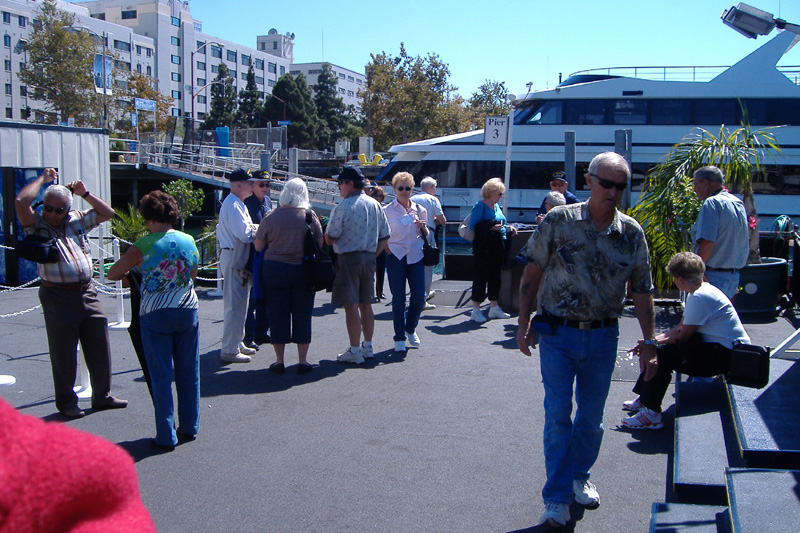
[
  {"x": 262, "y": 185},
  {"x": 404, "y": 188},
  {"x": 58, "y": 210},
  {"x": 608, "y": 184}
]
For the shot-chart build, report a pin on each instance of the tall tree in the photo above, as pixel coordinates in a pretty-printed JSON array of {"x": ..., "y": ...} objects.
[
  {"x": 491, "y": 99},
  {"x": 223, "y": 101},
  {"x": 189, "y": 199},
  {"x": 330, "y": 108},
  {"x": 293, "y": 95},
  {"x": 246, "y": 116},
  {"x": 410, "y": 98},
  {"x": 142, "y": 86},
  {"x": 59, "y": 67}
]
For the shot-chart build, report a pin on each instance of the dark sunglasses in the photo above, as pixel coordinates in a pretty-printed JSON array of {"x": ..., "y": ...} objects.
[
  {"x": 404, "y": 188},
  {"x": 608, "y": 184},
  {"x": 262, "y": 184},
  {"x": 58, "y": 210}
]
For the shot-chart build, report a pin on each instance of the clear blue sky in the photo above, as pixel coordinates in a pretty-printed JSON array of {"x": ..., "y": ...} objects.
[{"x": 515, "y": 41}]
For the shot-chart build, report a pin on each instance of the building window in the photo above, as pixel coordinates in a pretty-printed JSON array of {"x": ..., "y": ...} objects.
[
  {"x": 341, "y": 90},
  {"x": 271, "y": 83},
  {"x": 175, "y": 112},
  {"x": 244, "y": 76},
  {"x": 23, "y": 90},
  {"x": 283, "y": 70},
  {"x": 9, "y": 113},
  {"x": 138, "y": 49},
  {"x": 197, "y": 27},
  {"x": 139, "y": 68},
  {"x": 122, "y": 45},
  {"x": 149, "y": 70},
  {"x": 7, "y": 64},
  {"x": 214, "y": 68},
  {"x": 312, "y": 71},
  {"x": 201, "y": 99},
  {"x": 341, "y": 75},
  {"x": 149, "y": 52},
  {"x": 245, "y": 60},
  {"x": 175, "y": 59},
  {"x": 122, "y": 65},
  {"x": 23, "y": 21},
  {"x": 7, "y": 40},
  {"x": 176, "y": 76},
  {"x": 358, "y": 81},
  {"x": 99, "y": 16},
  {"x": 275, "y": 45},
  {"x": 231, "y": 56},
  {"x": 350, "y": 78},
  {"x": 175, "y": 40},
  {"x": 232, "y": 74},
  {"x": 8, "y": 89},
  {"x": 201, "y": 65},
  {"x": 201, "y": 116},
  {"x": 350, "y": 93},
  {"x": 201, "y": 47},
  {"x": 176, "y": 95},
  {"x": 294, "y": 72},
  {"x": 127, "y": 15},
  {"x": 22, "y": 65},
  {"x": 6, "y": 17},
  {"x": 216, "y": 51},
  {"x": 175, "y": 21},
  {"x": 272, "y": 67},
  {"x": 201, "y": 82},
  {"x": 260, "y": 80},
  {"x": 259, "y": 64}
]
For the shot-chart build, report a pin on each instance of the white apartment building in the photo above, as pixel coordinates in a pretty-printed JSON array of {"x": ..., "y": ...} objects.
[
  {"x": 132, "y": 51},
  {"x": 350, "y": 81}
]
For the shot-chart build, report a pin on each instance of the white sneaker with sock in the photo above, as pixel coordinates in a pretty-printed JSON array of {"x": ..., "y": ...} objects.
[
  {"x": 477, "y": 316},
  {"x": 366, "y": 350},
  {"x": 350, "y": 356},
  {"x": 496, "y": 312}
]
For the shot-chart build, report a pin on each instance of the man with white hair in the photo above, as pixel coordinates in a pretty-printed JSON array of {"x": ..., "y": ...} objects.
[
  {"x": 72, "y": 312},
  {"x": 427, "y": 199},
  {"x": 235, "y": 233}
]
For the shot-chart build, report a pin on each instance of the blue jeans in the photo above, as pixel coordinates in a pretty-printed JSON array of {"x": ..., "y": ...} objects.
[
  {"x": 170, "y": 338},
  {"x": 256, "y": 324},
  {"x": 398, "y": 272},
  {"x": 727, "y": 282},
  {"x": 585, "y": 358},
  {"x": 289, "y": 303}
]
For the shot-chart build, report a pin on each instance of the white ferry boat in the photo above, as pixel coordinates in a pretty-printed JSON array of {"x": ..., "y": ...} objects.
[{"x": 658, "y": 105}]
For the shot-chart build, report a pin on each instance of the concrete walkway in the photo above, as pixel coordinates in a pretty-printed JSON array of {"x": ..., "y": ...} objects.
[{"x": 444, "y": 438}]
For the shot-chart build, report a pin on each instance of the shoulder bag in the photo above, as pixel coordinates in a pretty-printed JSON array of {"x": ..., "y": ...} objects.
[
  {"x": 749, "y": 366},
  {"x": 38, "y": 248},
  {"x": 463, "y": 230},
  {"x": 317, "y": 265}
]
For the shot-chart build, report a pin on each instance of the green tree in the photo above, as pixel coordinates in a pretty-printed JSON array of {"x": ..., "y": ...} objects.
[
  {"x": 668, "y": 205},
  {"x": 247, "y": 114},
  {"x": 330, "y": 108},
  {"x": 142, "y": 86},
  {"x": 223, "y": 101},
  {"x": 491, "y": 99},
  {"x": 410, "y": 98},
  {"x": 58, "y": 69},
  {"x": 189, "y": 199},
  {"x": 294, "y": 95}
]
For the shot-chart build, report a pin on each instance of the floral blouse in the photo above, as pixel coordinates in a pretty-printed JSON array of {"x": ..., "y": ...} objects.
[{"x": 169, "y": 259}]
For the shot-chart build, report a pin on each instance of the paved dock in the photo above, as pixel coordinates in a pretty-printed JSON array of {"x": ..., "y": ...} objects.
[{"x": 444, "y": 438}]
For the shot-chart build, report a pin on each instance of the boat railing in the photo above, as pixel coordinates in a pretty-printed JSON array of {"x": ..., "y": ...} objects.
[{"x": 678, "y": 73}]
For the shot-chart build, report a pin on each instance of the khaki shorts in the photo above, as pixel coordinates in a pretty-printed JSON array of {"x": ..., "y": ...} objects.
[{"x": 355, "y": 279}]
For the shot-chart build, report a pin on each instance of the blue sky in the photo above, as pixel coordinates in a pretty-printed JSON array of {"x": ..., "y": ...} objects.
[{"x": 515, "y": 41}]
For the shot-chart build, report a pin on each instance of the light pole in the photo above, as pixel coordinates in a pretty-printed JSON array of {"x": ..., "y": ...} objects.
[
  {"x": 191, "y": 82},
  {"x": 752, "y": 22}
]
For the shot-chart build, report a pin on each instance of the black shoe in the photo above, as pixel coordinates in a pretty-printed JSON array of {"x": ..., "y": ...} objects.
[
  {"x": 262, "y": 340},
  {"x": 251, "y": 344},
  {"x": 304, "y": 368},
  {"x": 278, "y": 368},
  {"x": 162, "y": 447},
  {"x": 72, "y": 412},
  {"x": 185, "y": 437},
  {"x": 109, "y": 402}
]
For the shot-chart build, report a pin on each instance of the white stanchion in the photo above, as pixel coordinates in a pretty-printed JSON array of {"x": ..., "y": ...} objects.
[
  {"x": 100, "y": 240},
  {"x": 84, "y": 387},
  {"x": 120, "y": 323},
  {"x": 7, "y": 380},
  {"x": 217, "y": 293}
]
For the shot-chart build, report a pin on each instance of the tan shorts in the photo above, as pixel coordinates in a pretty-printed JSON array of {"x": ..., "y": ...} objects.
[{"x": 355, "y": 279}]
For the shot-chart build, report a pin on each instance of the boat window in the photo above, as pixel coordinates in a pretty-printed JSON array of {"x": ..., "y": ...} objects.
[
  {"x": 585, "y": 112},
  {"x": 546, "y": 113},
  {"x": 670, "y": 112},
  {"x": 628, "y": 111},
  {"x": 782, "y": 111},
  {"x": 715, "y": 112},
  {"x": 754, "y": 112}
]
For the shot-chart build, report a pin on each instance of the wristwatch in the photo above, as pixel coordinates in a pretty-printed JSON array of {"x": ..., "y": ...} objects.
[
  {"x": 84, "y": 195},
  {"x": 651, "y": 342}
]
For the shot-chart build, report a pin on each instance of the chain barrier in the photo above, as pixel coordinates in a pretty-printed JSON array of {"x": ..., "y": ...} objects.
[{"x": 18, "y": 313}]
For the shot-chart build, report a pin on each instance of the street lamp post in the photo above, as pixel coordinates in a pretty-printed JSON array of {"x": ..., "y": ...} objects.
[
  {"x": 191, "y": 82},
  {"x": 752, "y": 22}
]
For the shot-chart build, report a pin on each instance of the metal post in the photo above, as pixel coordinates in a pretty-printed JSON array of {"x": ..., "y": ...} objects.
[
  {"x": 120, "y": 323},
  {"x": 509, "y": 143},
  {"x": 622, "y": 146},
  {"x": 293, "y": 162},
  {"x": 569, "y": 159}
]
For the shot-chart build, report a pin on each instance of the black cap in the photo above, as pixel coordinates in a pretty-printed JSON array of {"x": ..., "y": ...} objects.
[
  {"x": 241, "y": 174},
  {"x": 352, "y": 174},
  {"x": 261, "y": 174}
]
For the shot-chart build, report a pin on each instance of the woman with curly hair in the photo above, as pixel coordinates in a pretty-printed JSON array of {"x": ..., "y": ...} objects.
[{"x": 168, "y": 313}]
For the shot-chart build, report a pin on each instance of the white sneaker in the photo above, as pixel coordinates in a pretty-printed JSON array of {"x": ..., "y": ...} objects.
[
  {"x": 632, "y": 405},
  {"x": 555, "y": 514},
  {"x": 644, "y": 419},
  {"x": 428, "y": 306},
  {"x": 496, "y": 312},
  {"x": 477, "y": 316},
  {"x": 349, "y": 356},
  {"x": 400, "y": 346},
  {"x": 430, "y": 294},
  {"x": 234, "y": 358},
  {"x": 246, "y": 350},
  {"x": 366, "y": 351},
  {"x": 413, "y": 339},
  {"x": 586, "y": 493}
]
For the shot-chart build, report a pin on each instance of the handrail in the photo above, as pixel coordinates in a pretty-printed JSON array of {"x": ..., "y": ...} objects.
[{"x": 660, "y": 73}]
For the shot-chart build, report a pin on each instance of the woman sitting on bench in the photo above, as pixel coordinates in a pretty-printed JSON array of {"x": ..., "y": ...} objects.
[{"x": 699, "y": 346}]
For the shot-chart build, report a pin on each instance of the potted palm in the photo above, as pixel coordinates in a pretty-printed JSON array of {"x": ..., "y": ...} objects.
[{"x": 668, "y": 205}]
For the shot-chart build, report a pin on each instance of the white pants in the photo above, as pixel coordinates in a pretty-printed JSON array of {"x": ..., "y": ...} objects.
[{"x": 235, "y": 294}]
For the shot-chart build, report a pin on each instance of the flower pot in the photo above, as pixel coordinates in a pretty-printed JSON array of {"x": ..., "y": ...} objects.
[{"x": 760, "y": 286}]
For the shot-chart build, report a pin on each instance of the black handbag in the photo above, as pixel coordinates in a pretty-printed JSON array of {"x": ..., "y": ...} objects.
[
  {"x": 749, "y": 366},
  {"x": 430, "y": 255},
  {"x": 317, "y": 265},
  {"x": 38, "y": 248}
]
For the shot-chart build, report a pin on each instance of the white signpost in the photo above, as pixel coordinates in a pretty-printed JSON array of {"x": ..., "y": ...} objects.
[{"x": 495, "y": 131}]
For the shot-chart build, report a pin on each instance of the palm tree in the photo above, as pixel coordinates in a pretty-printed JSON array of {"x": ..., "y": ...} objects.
[{"x": 668, "y": 206}]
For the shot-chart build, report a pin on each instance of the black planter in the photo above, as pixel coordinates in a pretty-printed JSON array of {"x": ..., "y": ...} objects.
[{"x": 760, "y": 285}]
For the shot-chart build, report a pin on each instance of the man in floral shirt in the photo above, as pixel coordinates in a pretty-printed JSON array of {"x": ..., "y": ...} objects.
[{"x": 583, "y": 259}]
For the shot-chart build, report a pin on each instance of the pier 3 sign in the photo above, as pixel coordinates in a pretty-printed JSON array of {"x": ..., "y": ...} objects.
[{"x": 495, "y": 130}]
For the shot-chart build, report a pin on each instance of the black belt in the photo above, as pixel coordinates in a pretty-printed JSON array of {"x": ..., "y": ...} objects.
[
  {"x": 722, "y": 269},
  {"x": 577, "y": 324}
]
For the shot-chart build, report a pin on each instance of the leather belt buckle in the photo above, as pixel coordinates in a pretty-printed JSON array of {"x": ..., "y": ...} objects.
[{"x": 585, "y": 325}]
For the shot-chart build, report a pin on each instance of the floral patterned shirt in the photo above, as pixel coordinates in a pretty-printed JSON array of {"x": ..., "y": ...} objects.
[
  {"x": 168, "y": 261},
  {"x": 586, "y": 271}
]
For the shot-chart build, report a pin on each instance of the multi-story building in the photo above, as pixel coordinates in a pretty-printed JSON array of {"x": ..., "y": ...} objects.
[
  {"x": 349, "y": 81},
  {"x": 130, "y": 50}
]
